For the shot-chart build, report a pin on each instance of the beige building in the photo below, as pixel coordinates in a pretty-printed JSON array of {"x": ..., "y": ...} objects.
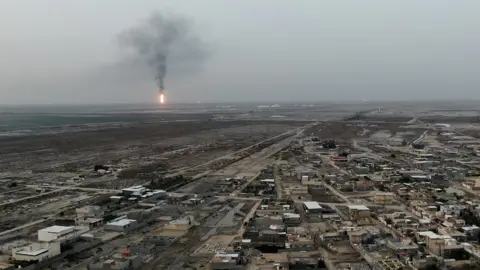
[
  {"x": 473, "y": 183},
  {"x": 383, "y": 197},
  {"x": 439, "y": 244},
  {"x": 358, "y": 211}
]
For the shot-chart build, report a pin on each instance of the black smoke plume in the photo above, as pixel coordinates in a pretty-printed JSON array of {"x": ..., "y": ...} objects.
[{"x": 165, "y": 39}]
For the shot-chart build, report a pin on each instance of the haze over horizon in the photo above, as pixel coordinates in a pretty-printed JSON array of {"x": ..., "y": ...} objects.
[{"x": 57, "y": 51}]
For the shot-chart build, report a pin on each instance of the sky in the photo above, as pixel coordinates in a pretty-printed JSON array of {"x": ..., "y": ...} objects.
[{"x": 66, "y": 51}]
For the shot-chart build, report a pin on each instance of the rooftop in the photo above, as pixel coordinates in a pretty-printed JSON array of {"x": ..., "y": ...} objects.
[
  {"x": 358, "y": 207},
  {"x": 122, "y": 222},
  {"x": 57, "y": 229},
  {"x": 135, "y": 189},
  {"x": 312, "y": 205},
  {"x": 29, "y": 252}
]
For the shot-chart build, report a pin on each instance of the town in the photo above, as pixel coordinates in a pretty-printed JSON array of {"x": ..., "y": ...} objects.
[{"x": 375, "y": 189}]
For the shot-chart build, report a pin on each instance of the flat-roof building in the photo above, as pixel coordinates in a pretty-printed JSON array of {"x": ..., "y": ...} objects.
[
  {"x": 312, "y": 207},
  {"x": 54, "y": 232},
  {"x": 36, "y": 252},
  {"x": 136, "y": 191},
  {"x": 121, "y": 225}
]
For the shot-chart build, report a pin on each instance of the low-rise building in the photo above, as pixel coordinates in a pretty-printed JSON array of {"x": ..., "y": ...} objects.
[
  {"x": 383, "y": 197},
  {"x": 312, "y": 207},
  {"x": 224, "y": 261},
  {"x": 135, "y": 191},
  {"x": 118, "y": 261},
  {"x": 403, "y": 246},
  {"x": 358, "y": 211},
  {"x": 61, "y": 234},
  {"x": 121, "y": 225},
  {"x": 36, "y": 252}
]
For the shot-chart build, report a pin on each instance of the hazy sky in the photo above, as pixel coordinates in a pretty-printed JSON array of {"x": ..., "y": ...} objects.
[{"x": 65, "y": 51}]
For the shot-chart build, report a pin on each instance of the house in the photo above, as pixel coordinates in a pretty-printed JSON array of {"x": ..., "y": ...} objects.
[
  {"x": 403, "y": 246},
  {"x": 358, "y": 211}
]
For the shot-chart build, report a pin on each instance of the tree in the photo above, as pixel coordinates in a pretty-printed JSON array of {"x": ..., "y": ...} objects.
[{"x": 329, "y": 144}]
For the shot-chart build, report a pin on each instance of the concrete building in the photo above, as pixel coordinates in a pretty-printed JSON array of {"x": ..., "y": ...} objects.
[
  {"x": 383, "y": 197},
  {"x": 89, "y": 222},
  {"x": 299, "y": 239},
  {"x": 89, "y": 211},
  {"x": 135, "y": 191},
  {"x": 36, "y": 252},
  {"x": 439, "y": 244},
  {"x": 403, "y": 246},
  {"x": 90, "y": 216},
  {"x": 291, "y": 219},
  {"x": 54, "y": 233},
  {"x": 358, "y": 211},
  {"x": 226, "y": 261},
  {"x": 123, "y": 261},
  {"x": 312, "y": 207},
  {"x": 362, "y": 170},
  {"x": 298, "y": 190},
  {"x": 121, "y": 225},
  {"x": 61, "y": 234},
  {"x": 473, "y": 183}
]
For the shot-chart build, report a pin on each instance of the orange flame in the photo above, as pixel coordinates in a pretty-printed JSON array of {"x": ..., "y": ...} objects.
[{"x": 162, "y": 98}]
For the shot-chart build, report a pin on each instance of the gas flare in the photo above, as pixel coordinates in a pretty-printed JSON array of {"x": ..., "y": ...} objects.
[{"x": 162, "y": 98}]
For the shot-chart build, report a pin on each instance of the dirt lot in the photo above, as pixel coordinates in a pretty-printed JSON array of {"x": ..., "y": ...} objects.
[{"x": 25, "y": 157}]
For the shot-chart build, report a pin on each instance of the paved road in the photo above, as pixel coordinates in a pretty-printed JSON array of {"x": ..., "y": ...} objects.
[
  {"x": 337, "y": 193},
  {"x": 101, "y": 190}
]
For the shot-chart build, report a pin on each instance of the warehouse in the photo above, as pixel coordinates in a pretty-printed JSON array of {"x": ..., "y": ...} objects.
[{"x": 312, "y": 207}]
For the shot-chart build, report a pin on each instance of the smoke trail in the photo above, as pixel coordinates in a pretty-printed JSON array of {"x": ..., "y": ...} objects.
[{"x": 162, "y": 39}]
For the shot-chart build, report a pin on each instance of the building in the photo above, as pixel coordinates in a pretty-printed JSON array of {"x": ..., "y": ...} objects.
[
  {"x": 227, "y": 261},
  {"x": 473, "y": 183},
  {"x": 339, "y": 159},
  {"x": 54, "y": 233},
  {"x": 403, "y": 246},
  {"x": 298, "y": 239},
  {"x": 291, "y": 219},
  {"x": 298, "y": 190},
  {"x": 358, "y": 211},
  {"x": 383, "y": 197},
  {"x": 118, "y": 261},
  {"x": 89, "y": 222},
  {"x": 312, "y": 207},
  {"x": 300, "y": 261},
  {"x": 362, "y": 170},
  {"x": 36, "y": 252},
  {"x": 121, "y": 225},
  {"x": 439, "y": 244},
  {"x": 89, "y": 211},
  {"x": 357, "y": 236},
  {"x": 89, "y": 215},
  {"x": 135, "y": 191}
]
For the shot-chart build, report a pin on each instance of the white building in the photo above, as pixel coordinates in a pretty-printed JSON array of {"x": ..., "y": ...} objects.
[
  {"x": 134, "y": 191},
  {"x": 53, "y": 233},
  {"x": 60, "y": 233},
  {"x": 121, "y": 225},
  {"x": 312, "y": 207},
  {"x": 36, "y": 252}
]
